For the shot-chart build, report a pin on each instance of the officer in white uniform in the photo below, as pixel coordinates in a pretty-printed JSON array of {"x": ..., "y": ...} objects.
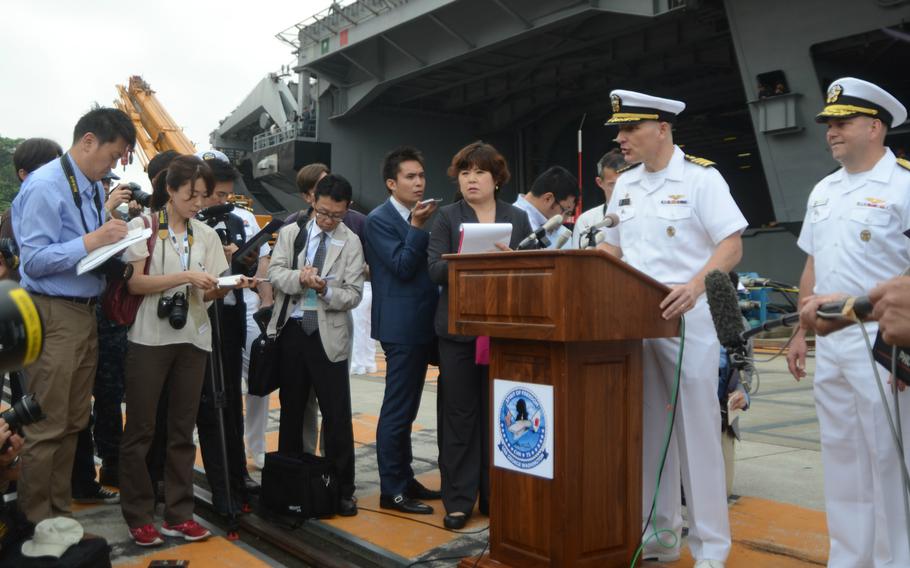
[
  {"x": 678, "y": 221},
  {"x": 608, "y": 167},
  {"x": 853, "y": 235}
]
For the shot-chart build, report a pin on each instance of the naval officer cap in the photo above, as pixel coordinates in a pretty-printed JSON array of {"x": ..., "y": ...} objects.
[
  {"x": 849, "y": 97},
  {"x": 213, "y": 154},
  {"x": 631, "y": 107}
]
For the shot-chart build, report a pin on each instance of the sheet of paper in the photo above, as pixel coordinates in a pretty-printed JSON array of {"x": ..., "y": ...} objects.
[
  {"x": 230, "y": 281},
  {"x": 98, "y": 256},
  {"x": 482, "y": 237}
]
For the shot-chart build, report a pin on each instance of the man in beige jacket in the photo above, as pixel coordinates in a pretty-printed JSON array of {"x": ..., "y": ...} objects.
[{"x": 315, "y": 290}]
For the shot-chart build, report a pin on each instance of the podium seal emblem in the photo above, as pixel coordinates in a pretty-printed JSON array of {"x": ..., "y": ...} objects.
[{"x": 523, "y": 426}]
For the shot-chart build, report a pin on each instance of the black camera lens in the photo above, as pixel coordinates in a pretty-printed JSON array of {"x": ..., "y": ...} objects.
[
  {"x": 10, "y": 252},
  {"x": 21, "y": 331},
  {"x": 25, "y": 411},
  {"x": 174, "y": 308},
  {"x": 142, "y": 198},
  {"x": 177, "y": 317}
]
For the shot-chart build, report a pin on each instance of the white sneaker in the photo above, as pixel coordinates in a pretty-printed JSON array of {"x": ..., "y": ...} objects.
[
  {"x": 708, "y": 563},
  {"x": 653, "y": 551}
]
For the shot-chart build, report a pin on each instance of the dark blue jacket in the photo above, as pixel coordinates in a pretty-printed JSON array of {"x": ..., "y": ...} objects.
[{"x": 404, "y": 297}]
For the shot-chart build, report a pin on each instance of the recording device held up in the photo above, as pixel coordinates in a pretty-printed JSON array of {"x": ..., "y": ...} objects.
[
  {"x": 141, "y": 197},
  {"x": 21, "y": 331},
  {"x": 23, "y": 412}
]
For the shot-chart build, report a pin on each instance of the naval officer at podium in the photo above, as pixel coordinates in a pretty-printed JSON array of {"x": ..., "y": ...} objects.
[{"x": 678, "y": 221}]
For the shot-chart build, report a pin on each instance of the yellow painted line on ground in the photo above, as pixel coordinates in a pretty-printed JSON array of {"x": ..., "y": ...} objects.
[{"x": 214, "y": 552}]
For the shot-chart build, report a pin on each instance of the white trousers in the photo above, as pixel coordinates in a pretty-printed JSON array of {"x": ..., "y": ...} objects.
[
  {"x": 363, "y": 356},
  {"x": 256, "y": 419},
  {"x": 863, "y": 488},
  {"x": 694, "y": 451}
]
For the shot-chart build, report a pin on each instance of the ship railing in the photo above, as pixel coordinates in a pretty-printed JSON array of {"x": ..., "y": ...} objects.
[{"x": 304, "y": 130}]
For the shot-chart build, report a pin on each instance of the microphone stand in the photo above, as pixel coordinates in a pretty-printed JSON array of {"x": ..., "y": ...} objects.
[{"x": 219, "y": 402}]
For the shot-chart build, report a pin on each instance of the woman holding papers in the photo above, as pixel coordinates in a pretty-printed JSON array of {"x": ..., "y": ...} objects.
[
  {"x": 480, "y": 170},
  {"x": 169, "y": 341}
]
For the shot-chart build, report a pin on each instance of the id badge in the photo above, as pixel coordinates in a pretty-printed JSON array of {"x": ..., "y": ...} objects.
[{"x": 309, "y": 300}]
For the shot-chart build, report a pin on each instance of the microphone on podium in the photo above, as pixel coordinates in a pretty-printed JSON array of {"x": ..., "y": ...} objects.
[
  {"x": 594, "y": 236},
  {"x": 538, "y": 239}
]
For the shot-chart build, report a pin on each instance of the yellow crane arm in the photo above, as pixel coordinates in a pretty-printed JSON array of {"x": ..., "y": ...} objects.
[{"x": 156, "y": 131}]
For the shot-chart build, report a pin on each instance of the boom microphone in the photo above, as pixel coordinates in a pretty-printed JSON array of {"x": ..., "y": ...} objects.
[
  {"x": 534, "y": 240},
  {"x": 724, "y": 306}
]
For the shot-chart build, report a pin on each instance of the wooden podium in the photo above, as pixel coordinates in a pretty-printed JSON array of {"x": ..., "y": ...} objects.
[{"x": 574, "y": 320}]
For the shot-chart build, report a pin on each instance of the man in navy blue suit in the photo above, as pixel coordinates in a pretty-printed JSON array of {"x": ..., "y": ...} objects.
[{"x": 404, "y": 302}]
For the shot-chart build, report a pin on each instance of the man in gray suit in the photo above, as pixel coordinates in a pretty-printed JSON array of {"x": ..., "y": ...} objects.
[{"x": 316, "y": 288}]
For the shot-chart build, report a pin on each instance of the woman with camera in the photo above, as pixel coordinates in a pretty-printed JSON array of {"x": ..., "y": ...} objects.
[
  {"x": 169, "y": 342},
  {"x": 480, "y": 170}
]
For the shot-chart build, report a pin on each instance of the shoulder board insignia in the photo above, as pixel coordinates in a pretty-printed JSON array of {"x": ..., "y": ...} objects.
[
  {"x": 699, "y": 161},
  {"x": 627, "y": 167},
  {"x": 904, "y": 163}
]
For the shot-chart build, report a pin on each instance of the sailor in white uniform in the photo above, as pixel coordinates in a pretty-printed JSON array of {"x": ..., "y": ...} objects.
[
  {"x": 678, "y": 221},
  {"x": 853, "y": 235}
]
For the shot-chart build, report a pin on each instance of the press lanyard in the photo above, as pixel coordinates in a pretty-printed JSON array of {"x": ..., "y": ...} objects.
[
  {"x": 165, "y": 232},
  {"x": 77, "y": 198},
  {"x": 183, "y": 251}
]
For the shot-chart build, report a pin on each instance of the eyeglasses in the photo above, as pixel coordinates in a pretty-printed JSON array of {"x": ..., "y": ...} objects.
[{"x": 332, "y": 216}]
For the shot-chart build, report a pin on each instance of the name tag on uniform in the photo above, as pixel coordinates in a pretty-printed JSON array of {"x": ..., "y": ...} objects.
[
  {"x": 625, "y": 201},
  {"x": 309, "y": 300},
  {"x": 337, "y": 243}
]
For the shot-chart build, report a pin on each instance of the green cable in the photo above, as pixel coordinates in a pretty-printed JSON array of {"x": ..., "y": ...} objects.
[{"x": 663, "y": 457}]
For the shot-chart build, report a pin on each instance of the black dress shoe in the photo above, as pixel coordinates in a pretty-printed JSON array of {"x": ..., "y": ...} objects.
[
  {"x": 347, "y": 507},
  {"x": 455, "y": 521},
  {"x": 416, "y": 490},
  {"x": 404, "y": 504}
]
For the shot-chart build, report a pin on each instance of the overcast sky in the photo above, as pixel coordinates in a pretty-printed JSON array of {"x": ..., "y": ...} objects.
[{"x": 201, "y": 57}]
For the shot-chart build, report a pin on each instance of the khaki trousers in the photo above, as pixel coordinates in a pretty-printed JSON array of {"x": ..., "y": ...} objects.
[
  {"x": 147, "y": 369},
  {"x": 62, "y": 380}
]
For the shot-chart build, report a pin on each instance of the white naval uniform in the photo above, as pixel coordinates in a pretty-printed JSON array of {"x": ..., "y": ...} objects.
[
  {"x": 671, "y": 223},
  {"x": 584, "y": 222},
  {"x": 852, "y": 230},
  {"x": 537, "y": 220},
  {"x": 256, "y": 414}
]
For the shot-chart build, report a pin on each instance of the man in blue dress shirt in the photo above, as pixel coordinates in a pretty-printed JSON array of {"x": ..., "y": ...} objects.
[
  {"x": 58, "y": 218},
  {"x": 404, "y": 303}
]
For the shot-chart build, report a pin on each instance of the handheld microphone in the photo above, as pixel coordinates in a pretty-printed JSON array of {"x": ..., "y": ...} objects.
[
  {"x": 562, "y": 240},
  {"x": 858, "y": 306},
  {"x": 214, "y": 212},
  {"x": 535, "y": 239}
]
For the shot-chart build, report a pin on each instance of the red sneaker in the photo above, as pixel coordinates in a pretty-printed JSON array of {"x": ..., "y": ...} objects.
[
  {"x": 146, "y": 535},
  {"x": 190, "y": 530}
]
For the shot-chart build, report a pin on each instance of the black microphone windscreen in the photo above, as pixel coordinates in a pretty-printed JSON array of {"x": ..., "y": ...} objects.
[{"x": 724, "y": 306}]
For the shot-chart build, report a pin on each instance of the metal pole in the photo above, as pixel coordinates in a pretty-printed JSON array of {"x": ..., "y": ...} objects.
[{"x": 219, "y": 401}]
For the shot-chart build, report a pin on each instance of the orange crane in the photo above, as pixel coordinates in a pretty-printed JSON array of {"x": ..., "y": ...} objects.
[{"x": 157, "y": 132}]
